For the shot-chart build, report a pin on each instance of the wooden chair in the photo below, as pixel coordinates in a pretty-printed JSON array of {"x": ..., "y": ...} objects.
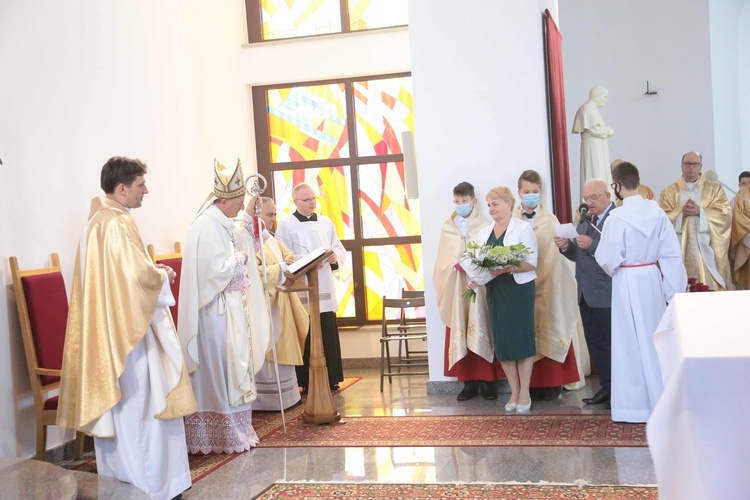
[
  {"x": 413, "y": 325},
  {"x": 173, "y": 260},
  {"x": 393, "y": 331},
  {"x": 43, "y": 313}
]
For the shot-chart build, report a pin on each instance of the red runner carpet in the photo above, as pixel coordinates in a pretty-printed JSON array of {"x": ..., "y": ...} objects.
[
  {"x": 362, "y": 491},
  {"x": 459, "y": 430}
]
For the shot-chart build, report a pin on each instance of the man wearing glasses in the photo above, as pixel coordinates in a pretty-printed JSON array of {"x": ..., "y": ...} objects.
[
  {"x": 302, "y": 233},
  {"x": 594, "y": 285},
  {"x": 701, "y": 215}
]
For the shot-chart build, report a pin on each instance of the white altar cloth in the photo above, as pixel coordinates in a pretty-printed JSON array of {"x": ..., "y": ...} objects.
[{"x": 699, "y": 432}]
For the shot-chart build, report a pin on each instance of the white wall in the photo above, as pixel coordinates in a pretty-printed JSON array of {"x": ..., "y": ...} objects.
[
  {"x": 83, "y": 81},
  {"x": 743, "y": 82},
  {"x": 620, "y": 45},
  {"x": 480, "y": 111}
]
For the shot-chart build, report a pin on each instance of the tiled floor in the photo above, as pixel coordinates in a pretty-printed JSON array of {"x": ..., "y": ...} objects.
[{"x": 254, "y": 471}]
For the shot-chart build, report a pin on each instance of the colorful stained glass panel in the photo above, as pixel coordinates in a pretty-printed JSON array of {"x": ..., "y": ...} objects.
[
  {"x": 383, "y": 109},
  {"x": 334, "y": 192},
  {"x": 345, "y": 289},
  {"x": 384, "y": 208},
  {"x": 295, "y": 18},
  {"x": 388, "y": 269},
  {"x": 371, "y": 14},
  {"x": 307, "y": 123}
]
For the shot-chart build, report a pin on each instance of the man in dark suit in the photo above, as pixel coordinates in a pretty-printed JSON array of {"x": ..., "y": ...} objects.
[{"x": 594, "y": 285}]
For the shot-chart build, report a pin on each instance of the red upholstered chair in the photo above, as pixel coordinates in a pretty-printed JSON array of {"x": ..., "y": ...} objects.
[
  {"x": 43, "y": 313},
  {"x": 173, "y": 260}
]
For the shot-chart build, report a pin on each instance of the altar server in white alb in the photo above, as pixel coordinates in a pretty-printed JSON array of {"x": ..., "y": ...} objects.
[
  {"x": 289, "y": 319},
  {"x": 123, "y": 377},
  {"x": 302, "y": 233},
  {"x": 222, "y": 323},
  {"x": 636, "y": 238}
]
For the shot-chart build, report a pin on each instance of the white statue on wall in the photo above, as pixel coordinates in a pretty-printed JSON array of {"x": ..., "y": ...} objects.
[{"x": 594, "y": 135}]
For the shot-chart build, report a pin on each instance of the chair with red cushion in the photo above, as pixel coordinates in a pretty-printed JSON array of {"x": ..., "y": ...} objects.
[
  {"x": 173, "y": 260},
  {"x": 43, "y": 313}
]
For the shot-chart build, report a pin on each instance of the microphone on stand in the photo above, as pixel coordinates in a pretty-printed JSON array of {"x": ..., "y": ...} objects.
[{"x": 583, "y": 209}]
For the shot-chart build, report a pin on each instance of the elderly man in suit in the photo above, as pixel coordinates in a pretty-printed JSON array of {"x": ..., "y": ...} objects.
[{"x": 594, "y": 285}]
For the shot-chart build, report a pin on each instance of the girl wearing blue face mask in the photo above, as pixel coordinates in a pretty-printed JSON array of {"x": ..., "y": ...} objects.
[{"x": 559, "y": 331}]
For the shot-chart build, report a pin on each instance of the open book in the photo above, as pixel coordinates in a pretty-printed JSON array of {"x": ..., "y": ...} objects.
[{"x": 295, "y": 266}]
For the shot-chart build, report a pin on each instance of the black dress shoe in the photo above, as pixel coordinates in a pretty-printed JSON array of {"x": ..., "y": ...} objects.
[
  {"x": 487, "y": 390},
  {"x": 607, "y": 405},
  {"x": 471, "y": 389},
  {"x": 544, "y": 393},
  {"x": 600, "y": 397}
]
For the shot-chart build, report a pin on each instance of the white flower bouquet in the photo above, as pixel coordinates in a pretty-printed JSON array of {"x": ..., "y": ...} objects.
[{"x": 479, "y": 260}]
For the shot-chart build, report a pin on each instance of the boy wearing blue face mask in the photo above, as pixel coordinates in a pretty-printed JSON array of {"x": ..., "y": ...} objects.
[
  {"x": 469, "y": 356},
  {"x": 560, "y": 343}
]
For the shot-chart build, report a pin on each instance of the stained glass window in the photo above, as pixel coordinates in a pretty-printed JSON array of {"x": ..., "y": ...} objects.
[
  {"x": 295, "y": 18},
  {"x": 308, "y": 130},
  {"x": 384, "y": 209},
  {"x": 333, "y": 188},
  {"x": 383, "y": 109},
  {"x": 277, "y": 19},
  {"x": 371, "y": 14},
  {"x": 345, "y": 289},
  {"x": 388, "y": 269},
  {"x": 307, "y": 123}
]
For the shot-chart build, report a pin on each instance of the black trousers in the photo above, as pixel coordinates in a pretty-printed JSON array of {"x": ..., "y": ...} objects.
[
  {"x": 597, "y": 328},
  {"x": 331, "y": 350}
]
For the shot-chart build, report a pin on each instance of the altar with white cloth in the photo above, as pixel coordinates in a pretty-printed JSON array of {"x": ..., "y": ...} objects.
[{"x": 698, "y": 433}]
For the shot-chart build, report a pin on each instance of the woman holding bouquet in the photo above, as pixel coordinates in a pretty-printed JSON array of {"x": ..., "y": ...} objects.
[{"x": 510, "y": 297}]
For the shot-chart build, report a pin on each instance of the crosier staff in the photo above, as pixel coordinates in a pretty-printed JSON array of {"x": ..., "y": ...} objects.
[{"x": 254, "y": 190}]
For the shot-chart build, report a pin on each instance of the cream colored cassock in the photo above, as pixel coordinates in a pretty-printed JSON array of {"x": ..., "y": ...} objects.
[
  {"x": 224, "y": 333},
  {"x": 289, "y": 320},
  {"x": 556, "y": 315},
  {"x": 635, "y": 238},
  {"x": 704, "y": 238},
  {"x": 124, "y": 380},
  {"x": 467, "y": 333}
]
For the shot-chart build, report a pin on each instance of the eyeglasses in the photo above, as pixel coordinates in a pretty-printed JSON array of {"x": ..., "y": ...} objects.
[
  {"x": 306, "y": 200},
  {"x": 691, "y": 164},
  {"x": 592, "y": 197}
]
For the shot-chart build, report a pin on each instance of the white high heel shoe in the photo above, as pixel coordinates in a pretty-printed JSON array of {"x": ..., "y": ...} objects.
[
  {"x": 510, "y": 407},
  {"x": 523, "y": 408}
]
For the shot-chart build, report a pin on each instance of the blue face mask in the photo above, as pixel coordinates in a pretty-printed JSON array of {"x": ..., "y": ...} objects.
[
  {"x": 463, "y": 210},
  {"x": 530, "y": 200}
]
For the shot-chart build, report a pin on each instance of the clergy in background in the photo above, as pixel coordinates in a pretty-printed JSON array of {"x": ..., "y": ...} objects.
[
  {"x": 123, "y": 377},
  {"x": 640, "y": 250},
  {"x": 303, "y": 232},
  {"x": 469, "y": 351},
  {"x": 739, "y": 248},
  {"x": 223, "y": 322},
  {"x": 562, "y": 356},
  {"x": 699, "y": 210},
  {"x": 289, "y": 320}
]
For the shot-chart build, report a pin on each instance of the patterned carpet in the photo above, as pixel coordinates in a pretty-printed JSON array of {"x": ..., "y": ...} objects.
[
  {"x": 459, "y": 430},
  {"x": 354, "y": 491}
]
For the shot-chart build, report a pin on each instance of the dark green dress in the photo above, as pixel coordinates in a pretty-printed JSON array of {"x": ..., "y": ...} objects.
[{"x": 511, "y": 308}]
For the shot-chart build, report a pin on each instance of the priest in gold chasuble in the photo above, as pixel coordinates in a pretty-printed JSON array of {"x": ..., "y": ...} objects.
[
  {"x": 700, "y": 212},
  {"x": 123, "y": 376},
  {"x": 739, "y": 248}
]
